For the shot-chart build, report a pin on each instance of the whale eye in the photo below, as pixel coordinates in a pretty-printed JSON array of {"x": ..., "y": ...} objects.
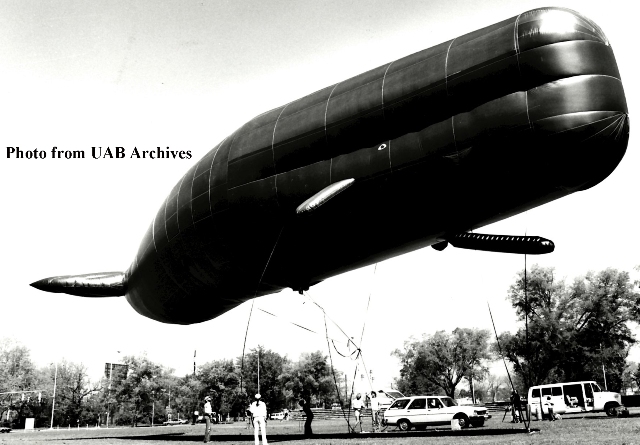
[{"x": 382, "y": 147}]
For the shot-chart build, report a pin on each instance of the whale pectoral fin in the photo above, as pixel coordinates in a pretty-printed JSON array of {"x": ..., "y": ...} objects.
[
  {"x": 95, "y": 285},
  {"x": 323, "y": 196}
]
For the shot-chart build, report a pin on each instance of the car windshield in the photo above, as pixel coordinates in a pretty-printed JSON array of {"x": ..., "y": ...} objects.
[
  {"x": 596, "y": 388},
  {"x": 448, "y": 401},
  {"x": 399, "y": 404},
  {"x": 394, "y": 394}
]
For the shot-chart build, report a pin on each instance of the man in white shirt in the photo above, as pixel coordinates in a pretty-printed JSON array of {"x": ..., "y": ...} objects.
[
  {"x": 357, "y": 406},
  {"x": 259, "y": 416},
  {"x": 207, "y": 418},
  {"x": 375, "y": 411}
]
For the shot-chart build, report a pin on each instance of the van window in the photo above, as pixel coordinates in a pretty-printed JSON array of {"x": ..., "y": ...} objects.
[
  {"x": 588, "y": 392},
  {"x": 556, "y": 391},
  {"x": 546, "y": 391},
  {"x": 418, "y": 404},
  {"x": 535, "y": 392}
]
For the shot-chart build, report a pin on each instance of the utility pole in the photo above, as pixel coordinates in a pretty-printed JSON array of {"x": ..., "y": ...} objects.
[
  {"x": 604, "y": 374},
  {"x": 53, "y": 406}
]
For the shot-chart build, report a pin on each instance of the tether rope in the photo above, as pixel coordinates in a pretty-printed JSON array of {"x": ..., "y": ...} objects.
[
  {"x": 253, "y": 302},
  {"x": 335, "y": 379},
  {"x": 513, "y": 388}
]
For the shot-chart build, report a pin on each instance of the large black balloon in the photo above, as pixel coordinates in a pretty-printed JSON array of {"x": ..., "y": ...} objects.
[{"x": 446, "y": 140}]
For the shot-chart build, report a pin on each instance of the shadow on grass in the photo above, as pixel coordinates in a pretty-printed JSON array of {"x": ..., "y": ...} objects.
[
  {"x": 182, "y": 437},
  {"x": 588, "y": 417}
]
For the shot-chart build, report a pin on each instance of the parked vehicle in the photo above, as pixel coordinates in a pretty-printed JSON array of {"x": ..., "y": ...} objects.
[
  {"x": 176, "y": 422},
  {"x": 277, "y": 416},
  {"x": 574, "y": 397},
  {"x": 386, "y": 397},
  {"x": 423, "y": 411}
]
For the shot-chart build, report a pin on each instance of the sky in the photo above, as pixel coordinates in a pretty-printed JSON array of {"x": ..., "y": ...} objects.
[{"x": 184, "y": 74}]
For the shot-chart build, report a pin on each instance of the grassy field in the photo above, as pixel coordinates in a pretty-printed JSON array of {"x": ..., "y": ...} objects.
[{"x": 592, "y": 428}]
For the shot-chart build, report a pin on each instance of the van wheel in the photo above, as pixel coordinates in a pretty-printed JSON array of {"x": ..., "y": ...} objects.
[
  {"x": 463, "y": 420},
  {"x": 404, "y": 425},
  {"x": 611, "y": 410}
]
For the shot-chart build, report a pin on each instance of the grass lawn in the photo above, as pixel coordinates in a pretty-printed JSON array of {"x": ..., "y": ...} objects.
[{"x": 587, "y": 429}]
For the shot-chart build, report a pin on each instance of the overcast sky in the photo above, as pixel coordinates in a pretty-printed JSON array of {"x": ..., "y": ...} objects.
[{"x": 185, "y": 74}]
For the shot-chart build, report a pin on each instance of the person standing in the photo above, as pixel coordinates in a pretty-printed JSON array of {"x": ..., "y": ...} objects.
[
  {"x": 375, "y": 411},
  {"x": 259, "y": 417},
  {"x": 207, "y": 418},
  {"x": 515, "y": 407},
  {"x": 306, "y": 407},
  {"x": 195, "y": 417},
  {"x": 357, "y": 406}
]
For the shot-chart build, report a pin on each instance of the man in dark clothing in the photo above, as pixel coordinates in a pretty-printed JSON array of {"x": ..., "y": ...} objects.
[
  {"x": 306, "y": 407},
  {"x": 515, "y": 406}
]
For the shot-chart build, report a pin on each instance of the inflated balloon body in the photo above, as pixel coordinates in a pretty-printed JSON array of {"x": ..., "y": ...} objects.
[{"x": 404, "y": 156}]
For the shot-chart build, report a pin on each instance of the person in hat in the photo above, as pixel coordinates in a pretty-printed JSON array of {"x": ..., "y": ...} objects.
[
  {"x": 306, "y": 408},
  {"x": 259, "y": 419},
  {"x": 207, "y": 418}
]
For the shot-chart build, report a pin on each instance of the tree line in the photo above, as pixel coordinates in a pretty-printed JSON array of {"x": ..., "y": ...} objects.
[
  {"x": 567, "y": 332},
  {"x": 142, "y": 391}
]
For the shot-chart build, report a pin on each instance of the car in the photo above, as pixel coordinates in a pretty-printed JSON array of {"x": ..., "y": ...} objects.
[
  {"x": 176, "y": 422},
  {"x": 277, "y": 416},
  {"x": 422, "y": 411}
]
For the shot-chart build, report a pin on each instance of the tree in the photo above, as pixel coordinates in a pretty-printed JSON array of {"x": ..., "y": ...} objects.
[
  {"x": 442, "y": 360},
  {"x": 133, "y": 397},
  {"x": 271, "y": 367},
  {"x": 18, "y": 373},
  {"x": 73, "y": 390},
  {"x": 310, "y": 378},
  {"x": 221, "y": 381},
  {"x": 629, "y": 380},
  {"x": 572, "y": 331}
]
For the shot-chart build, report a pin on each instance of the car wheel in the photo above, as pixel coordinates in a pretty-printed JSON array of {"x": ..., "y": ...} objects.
[
  {"x": 463, "y": 420},
  {"x": 611, "y": 410},
  {"x": 404, "y": 425}
]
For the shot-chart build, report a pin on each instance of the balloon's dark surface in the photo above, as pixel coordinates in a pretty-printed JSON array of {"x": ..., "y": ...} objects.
[{"x": 446, "y": 140}]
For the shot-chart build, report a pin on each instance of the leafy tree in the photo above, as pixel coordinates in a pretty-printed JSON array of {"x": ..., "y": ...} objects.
[
  {"x": 572, "y": 331},
  {"x": 629, "y": 381},
  {"x": 73, "y": 389},
  {"x": 272, "y": 366},
  {"x": 441, "y": 361},
  {"x": 636, "y": 377},
  {"x": 18, "y": 373},
  {"x": 132, "y": 399},
  {"x": 221, "y": 381},
  {"x": 310, "y": 378}
]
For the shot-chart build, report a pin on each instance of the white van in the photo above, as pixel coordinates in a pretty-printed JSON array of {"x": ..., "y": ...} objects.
[{"x": 574, "y": 397}]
